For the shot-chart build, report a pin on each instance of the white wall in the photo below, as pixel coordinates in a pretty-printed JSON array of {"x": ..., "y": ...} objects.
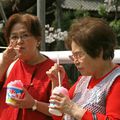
[{"x": 64, "y": 56}]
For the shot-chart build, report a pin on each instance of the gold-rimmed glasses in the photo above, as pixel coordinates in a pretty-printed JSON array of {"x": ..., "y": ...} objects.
[{"x": 76, "y": 55}]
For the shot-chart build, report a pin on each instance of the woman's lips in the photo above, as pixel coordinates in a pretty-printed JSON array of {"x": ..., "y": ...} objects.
[
  {"x": 79, "y": 68},
  {"x": 20, "y": 49}
]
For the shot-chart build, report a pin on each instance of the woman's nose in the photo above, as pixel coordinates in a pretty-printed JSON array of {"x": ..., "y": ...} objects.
[
  {"x": 76, "y": 61},
  {"x": 19, "y": 40}
]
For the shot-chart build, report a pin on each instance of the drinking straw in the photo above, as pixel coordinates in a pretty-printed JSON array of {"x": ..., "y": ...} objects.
[
  {"x": 2, "y": 47},
  {"x": 59, "y": 79}
]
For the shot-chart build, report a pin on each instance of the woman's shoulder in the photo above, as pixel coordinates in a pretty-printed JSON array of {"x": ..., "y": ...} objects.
[
  {"x": 116, "y": 84},
  {"x": 48, "y": 62}
]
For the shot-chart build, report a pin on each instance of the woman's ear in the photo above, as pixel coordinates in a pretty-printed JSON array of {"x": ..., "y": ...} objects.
[
  {"x": 38, "y": 44},
  {"x": 101, "y": 53},
  {"x": 38, "y": 41}
]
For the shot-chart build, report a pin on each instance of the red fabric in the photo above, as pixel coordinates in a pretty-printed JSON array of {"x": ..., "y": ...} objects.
[
  {"x": 112, "y": 101},
  {"x": 40, "y": 90}
]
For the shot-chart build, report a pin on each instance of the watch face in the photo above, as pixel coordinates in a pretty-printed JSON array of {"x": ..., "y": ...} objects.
[{"x": 34, "y": 106}]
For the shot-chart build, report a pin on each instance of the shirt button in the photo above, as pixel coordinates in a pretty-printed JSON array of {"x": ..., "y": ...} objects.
[{"x": 31, "y": 84}]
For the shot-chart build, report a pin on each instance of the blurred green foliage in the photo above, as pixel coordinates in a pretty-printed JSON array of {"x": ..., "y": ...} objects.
[
  {"x": 67, "y": 18},
  {"x": 102, "y": 10},
  {"x": 115, "y": 24}
]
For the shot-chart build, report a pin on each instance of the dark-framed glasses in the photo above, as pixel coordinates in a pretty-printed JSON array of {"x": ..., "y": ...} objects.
[{"x": 24, "y": 36}]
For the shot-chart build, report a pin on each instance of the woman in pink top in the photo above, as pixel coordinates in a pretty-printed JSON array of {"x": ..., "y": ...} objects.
[{"x": 95, "y": 96}]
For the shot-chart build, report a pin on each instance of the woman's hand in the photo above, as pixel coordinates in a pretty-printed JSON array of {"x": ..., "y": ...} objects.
[
  {"x": 65, "y": 105},
  {"x": 26, "y": 102},
  {"x": 53, "y": 74},
  {"x": 10, "y": 54},
  {"x": 62, "y": 102}
]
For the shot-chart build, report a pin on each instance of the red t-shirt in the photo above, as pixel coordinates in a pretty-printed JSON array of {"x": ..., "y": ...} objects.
[{"x": 40, "y": 89}]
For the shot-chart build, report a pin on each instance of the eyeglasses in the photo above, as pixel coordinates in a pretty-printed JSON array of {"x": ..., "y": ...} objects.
[
  {"x": 23, "y": 36},
  {"x": 77, "y": 55}
]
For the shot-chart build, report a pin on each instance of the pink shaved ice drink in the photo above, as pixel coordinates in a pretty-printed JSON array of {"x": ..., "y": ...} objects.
[
  {"x": 14, "y": 90},
  {"x": 57, "y": 90}
]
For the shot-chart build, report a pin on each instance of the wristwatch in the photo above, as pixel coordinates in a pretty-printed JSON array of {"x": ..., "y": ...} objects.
[{"x": 34, "y": 107}]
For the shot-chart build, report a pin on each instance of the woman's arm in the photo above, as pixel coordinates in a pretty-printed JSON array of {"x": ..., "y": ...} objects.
[
  {"x": 8, "y": 56},
  {"x": 43, "y": 107}
]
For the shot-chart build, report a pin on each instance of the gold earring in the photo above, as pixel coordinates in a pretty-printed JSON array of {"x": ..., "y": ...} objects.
[{"x": 38, "y": 44}]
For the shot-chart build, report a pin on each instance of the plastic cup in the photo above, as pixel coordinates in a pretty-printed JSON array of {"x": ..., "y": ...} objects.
[
  {"x": 14, "y": 90},
  {"x": 57, "y": 90}
]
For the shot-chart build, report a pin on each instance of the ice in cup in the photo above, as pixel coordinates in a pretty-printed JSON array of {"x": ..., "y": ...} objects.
[
  {"x": 58, "y": 90},
  {"x": 14, "y": 90}
]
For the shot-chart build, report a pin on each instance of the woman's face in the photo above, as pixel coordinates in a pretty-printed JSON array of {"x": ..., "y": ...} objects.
[
  {"x": 24, "y": 41},
  {"x": 85, "y": 63}
]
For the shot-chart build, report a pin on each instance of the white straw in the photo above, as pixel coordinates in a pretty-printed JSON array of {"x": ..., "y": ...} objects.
[
  {"x": 59, "y": 79},
  {"x": 2, "y": 47}
]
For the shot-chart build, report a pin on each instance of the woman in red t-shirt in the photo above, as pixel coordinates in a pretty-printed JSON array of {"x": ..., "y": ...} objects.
[
  {"x": 23, "y": 34},
  {"x": 95, "y": 96}
]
